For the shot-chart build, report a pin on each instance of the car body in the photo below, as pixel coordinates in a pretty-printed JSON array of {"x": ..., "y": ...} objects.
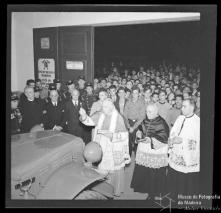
[{"x": 50, "y": 165}]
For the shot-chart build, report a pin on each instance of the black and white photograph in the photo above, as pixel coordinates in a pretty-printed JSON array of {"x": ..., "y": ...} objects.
[{"x": 105, "y": 106}]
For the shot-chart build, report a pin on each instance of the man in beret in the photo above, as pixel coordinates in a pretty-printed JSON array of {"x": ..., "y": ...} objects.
[{"x": 16, "y": 117}]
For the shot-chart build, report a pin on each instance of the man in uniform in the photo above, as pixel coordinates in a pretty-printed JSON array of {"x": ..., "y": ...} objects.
[
  {"x": 71, "y": 86},
  {"x": 81, "y": 85},
  {"x": 42, "y": 102},
  {"x": 88, "y": 99},
  {"x": 57, "y": 83},
  {"x": 16, "y": 117}
]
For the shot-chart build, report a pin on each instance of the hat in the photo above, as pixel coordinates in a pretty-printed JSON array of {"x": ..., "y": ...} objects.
[
  {"x": 14, "y": 97},
  {"x": 88, "y": 84},
  {"x": 69, "y": 82},
  {"x": 81, "y": 77},
  {"x": 37, "y": 80},
  {"x": 56, "y": 81},
  {"x": 52, "y": 86}
]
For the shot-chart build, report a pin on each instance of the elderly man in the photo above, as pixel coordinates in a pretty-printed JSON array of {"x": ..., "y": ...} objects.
[
  {"x": 54, "y": 115},
  {"x": 71, "y": 115},
  {"x": 151, "y": 158},
  {"x": 31, "y": 111},
  {"x": 29, "y": 83},
  {"x": 184, "y": 153},
  {"x": 111, "y": 134}
]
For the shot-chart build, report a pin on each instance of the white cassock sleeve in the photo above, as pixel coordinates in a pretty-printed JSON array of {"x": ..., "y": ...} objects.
[{"x": 88, "y": 121}]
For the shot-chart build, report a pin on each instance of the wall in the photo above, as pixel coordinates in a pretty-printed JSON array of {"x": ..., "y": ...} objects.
[{"x": 22, "y": 59}]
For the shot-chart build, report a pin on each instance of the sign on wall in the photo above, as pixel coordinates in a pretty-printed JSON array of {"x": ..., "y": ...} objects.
[
  {"x": 46, "y": 70},
  {"x": 74, "y": 65},
  {"x": 45, "y": 43}
]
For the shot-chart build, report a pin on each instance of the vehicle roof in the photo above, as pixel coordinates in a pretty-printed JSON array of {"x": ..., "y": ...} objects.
[{"x": 31, "y": 150}]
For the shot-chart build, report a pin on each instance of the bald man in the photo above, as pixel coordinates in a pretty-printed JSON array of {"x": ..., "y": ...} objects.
[
  {"x": 112, "y": 135},
  {"x": 54, "y": 117},
  {"x": 151, "y": 158}
]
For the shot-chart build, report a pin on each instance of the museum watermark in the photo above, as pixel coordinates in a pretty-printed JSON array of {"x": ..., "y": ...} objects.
[{"x": 187, "y": 202}]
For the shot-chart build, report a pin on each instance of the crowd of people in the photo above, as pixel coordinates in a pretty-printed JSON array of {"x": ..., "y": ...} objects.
[{"x": 154, "y": 111}]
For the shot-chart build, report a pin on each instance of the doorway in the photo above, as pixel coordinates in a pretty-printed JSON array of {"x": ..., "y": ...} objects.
[{"x": 132, "y": 46}]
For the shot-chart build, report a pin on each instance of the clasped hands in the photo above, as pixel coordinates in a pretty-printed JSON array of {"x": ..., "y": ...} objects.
[{"x": 145, "y": 140}]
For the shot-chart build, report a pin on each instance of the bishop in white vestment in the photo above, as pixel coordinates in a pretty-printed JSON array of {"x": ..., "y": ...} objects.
[{"x": 112, "y": 135}]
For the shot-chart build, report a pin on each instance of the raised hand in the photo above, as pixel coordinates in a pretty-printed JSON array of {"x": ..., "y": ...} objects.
[{"x": 82, "y": 112}]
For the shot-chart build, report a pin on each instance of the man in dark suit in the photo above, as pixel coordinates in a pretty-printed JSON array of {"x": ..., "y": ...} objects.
[
  {"x": 54, "y": 117},
  {"x": 31, "y": 111},
  {"x": 71, "y": 115},
  {"x": 29, "y": 83}
]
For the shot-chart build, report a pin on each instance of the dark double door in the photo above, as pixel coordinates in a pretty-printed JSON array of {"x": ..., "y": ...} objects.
[{"x": 64, "y": 53}]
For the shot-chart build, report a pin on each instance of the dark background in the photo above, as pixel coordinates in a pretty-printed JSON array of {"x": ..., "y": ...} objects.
[{"x": 148, "y": 43}]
